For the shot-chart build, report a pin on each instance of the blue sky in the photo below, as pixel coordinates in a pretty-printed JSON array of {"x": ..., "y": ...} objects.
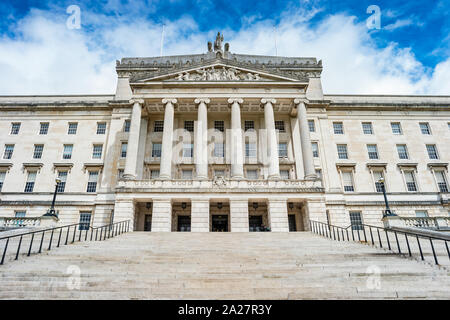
[{"x": 409, "y": 54}]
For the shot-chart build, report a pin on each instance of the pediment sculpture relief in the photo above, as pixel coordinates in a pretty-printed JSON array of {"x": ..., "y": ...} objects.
[{"x": 218, "y": 74}]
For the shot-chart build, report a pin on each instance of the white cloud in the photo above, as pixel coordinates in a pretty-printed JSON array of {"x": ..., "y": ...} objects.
[{"x": 47, "y": 58}]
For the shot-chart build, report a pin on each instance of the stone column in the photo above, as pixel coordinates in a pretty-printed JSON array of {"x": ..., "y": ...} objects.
[
  {"x": 201, "y": 139},
  {"x": 272, "y": 144},
  {"x": 200, "y": 215},
  {"x": 162, "y": 215},
  {"x": 167, "y": 142},
  {"x": 124, "y": 209},
  {"x": 237, "y": 157},
  {"x": 239, "y": 215},
  {"x": 308, "y": 161},
  {"x": 278, "y": 215},
  {"x": 133, "y": 141}
]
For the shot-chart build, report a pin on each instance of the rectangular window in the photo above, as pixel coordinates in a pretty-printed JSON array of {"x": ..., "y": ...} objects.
[
  {"x": 2, "y": 179},
  {"x": 20, "y": 214},
  {"x": 154, "y": 174},
  {"x": 156, "y": 150},
  {"x": 284, "y": 174},
  {"x": 126, "y": 126},
  {"x": 402, "y": 151},
  {"x": 85, "y": 220},
  {"x": 396, "y": 128},
  {"x": 410, "y": 181},
  {"x": 425, "y": 128},
  {"x": 338, "y": 128},
  {"x": 219, "y": 173},
  {"x": 123, "y": 150},
  {"x": 67, "y": 153},
  {"x": 347, "y": 179},
  {"x": 432, "y": 151},
  {"x": 158, "y": 126},
  {"x": 279, "y": 125},
  {"x": 249, "y": 125},
  {"x": 311, "y": 126},
  {"x": 97, "y": 151},
  {"x": 441, "y": 180},
  {"x": 62, "y": 175},
  {"x": 421, "y": 213},
  {"x": 73, "y": 126},
  {"x": 101, "y": 127},
  {"x": 189, "y": 125},
  {"x": 372, "y": 151},
  {"x": 315, "y": 149},
  {"x": 377, "y": 175},
  {"x": 219, "y": 125},
  {"x": 44, "y": 128},
  {"x": 9, "y": 149},
  {"x": 250, "y": 150},
  {"x": 187, "y": 174},
  {"x": 219, "y": 150},
  {"x": 356, "y": 220},
  {"x": 92, "y": 182},
  {"x": 38, "y": 149},
  {"x": 282, "y": 150},
  {"x": 31, "y": 179},
  {"x": 367, "y": 127},
  {"x": 188, "y": 150},
  {"x": 342, "y": 151},
  {"x": 252, "y": 174},
  {"x": 15, "y": 127}
]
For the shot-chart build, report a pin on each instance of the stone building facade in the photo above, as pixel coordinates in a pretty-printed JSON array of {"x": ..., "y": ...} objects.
[{"x": 223, "y": 142}]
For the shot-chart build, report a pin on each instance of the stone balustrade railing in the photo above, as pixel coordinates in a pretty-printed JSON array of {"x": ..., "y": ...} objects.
[
  {"x": 434, "y": 223},
  {"x": 12, "y": 222}
]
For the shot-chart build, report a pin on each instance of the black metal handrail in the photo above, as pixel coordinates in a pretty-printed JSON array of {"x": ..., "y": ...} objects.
[
  {"x": 342, "y": 234},
  {"x": 106, "y": 232}
]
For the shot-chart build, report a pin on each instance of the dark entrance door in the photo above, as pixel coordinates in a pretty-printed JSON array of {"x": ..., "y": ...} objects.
[
  {"x": 184, "y": 223},
  {"x": 292, "y": 224},
  {"x": 254, "y": 223},
  {"x": 219, "y": 223},
  {"x": 148, "y": 222}
]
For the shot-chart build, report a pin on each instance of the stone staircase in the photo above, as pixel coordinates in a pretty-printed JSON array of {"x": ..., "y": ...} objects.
[{"x": 265, "y": 265}]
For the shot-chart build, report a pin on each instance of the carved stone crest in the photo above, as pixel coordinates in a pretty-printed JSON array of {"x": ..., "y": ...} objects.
[
  {"x": 217, "y": 74},
  {"x": 219, "y": 181}
]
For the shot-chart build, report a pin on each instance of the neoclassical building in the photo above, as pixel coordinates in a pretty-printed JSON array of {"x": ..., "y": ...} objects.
[{"x": 223, "y": 142}]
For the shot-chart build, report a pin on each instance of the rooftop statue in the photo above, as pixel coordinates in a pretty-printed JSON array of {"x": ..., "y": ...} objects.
[{"x": 218, "y": 42}]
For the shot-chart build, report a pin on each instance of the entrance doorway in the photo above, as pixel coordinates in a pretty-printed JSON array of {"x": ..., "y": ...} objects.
[
  {"x": 219, "y": 223},
  {"x": 148, "y": 222},
  {"x": 184, "y": 223},
  {"x": 181, "y": 216},
  {"x": 296, "y": 216},
  {"x": 292, "y": 223},
  {"x": 255, "y": 223}
]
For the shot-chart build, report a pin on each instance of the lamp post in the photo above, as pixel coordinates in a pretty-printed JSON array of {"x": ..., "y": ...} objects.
[
  {"x": 387, "y": 212},
  {"x": 51, "y": 212}
]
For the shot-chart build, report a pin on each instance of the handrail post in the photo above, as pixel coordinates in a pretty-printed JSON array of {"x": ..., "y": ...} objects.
[
  {"x": 434, "y": 253},
  {"x": 407, "y": 243},
  {"x": 42, "y": 240},
  {"x": 398, "y": 244},
  {"x": 59, "y": 238},
  {"x": 420, "y": 248},
  {"x": 31, "y": 244},
  {"x": 51, "y": 239},
  {"x": 18, "y": 248},
  {"x": 371, "y": 235},
  {"x": 74, "y": 233},
  {"x": 101, "y": 232},
  {"x": 379, "y": 238},
  {"x": 4, "y": 251},
  {"x": 387, "y": 238}
]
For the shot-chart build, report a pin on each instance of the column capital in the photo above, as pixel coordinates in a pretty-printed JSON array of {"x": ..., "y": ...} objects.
[
  {"x": 166, "y": 101},
  {"x": 138, "y": 101},
  {"x": 236, "y": 100},
  {"x": 268, "y": 100},
  {"x": 298, "y": 101},
  {"x": 202, "y": 100}
]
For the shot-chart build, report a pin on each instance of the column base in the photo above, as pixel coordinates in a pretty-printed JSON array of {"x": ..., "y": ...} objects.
[
  {"x": 164, "y": 177},
  {"x": 202, "y": 177},
  {"x": 237, "y": 177},
  {"x": 274, "y": 177},
  {"x": 128, "y": 176},
  {"x": 311, "y": 176}
]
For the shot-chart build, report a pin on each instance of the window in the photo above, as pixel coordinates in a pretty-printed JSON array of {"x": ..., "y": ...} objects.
[
  {"x": 38, "y": 149},
  {"x": 9, "y": 149},
  {"x": 356, "y": 220},
  {"x": 396, "y": 128},
  {"x": 250, "y": 150},
  {"x": 425, "y": 128},
  {"x": 126, "y": 126},
  {"x": 189, "y": 125},
  {"x": 219, "y": 125},
  {"x": 92, "y": 182},
  {"x": 279, "y": 125},
  {"x": 421, "y": 213},
  {"x": 315, "y": 149},
  {"x": 123, "y": 150},
  {"x": 410, "y": 181},
  {"x": 120, "y": 174},
  {"x": 67, "y": 153},
  {"x": 158, "y": 126},
  {"x": 402, "y": 151},
  {"x": 44, "y": 128},
  {"x": 97, "y": 151},
  {"x": 338, "y": 128},
  {"x": 367, "y": 128},
  {"x": 72, "y": 128},
  {"x": 20, "y": 214},
  {"x": 347, "y": 180},
  {"x": 62, "y": 175},
  {"x": 319, "y": 173},
  {"x": 282, "y": 150},
  {"x": 372, "y": 151},
  {"x": 29, "y": 185},
  {"x": 432, "y": 151},
  {"x": 15, "y": 127},
  {"x": 156, "y": 150},
  {"x": 342, "y": 151},
  {"x": 377, "y": 175},
  {"x": 154, "y": 174},
  {"x": 311, "y": 126},
  {"x": 249, "y": 125},
  {"x": 252, "y": 174},
  {"x": 101, "y": 128},
  {"x": 188, "y": 150},
  {"x": 284, "y": 174},
  {"x": 85, "y": 220},
  {"x": 2, "y": 179},
  {"x": 441, "y": 181},
  {"x": 219, "y": 150},
  {"x": 186, "y": 174},
  {"x": 219, "y": 173}
]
